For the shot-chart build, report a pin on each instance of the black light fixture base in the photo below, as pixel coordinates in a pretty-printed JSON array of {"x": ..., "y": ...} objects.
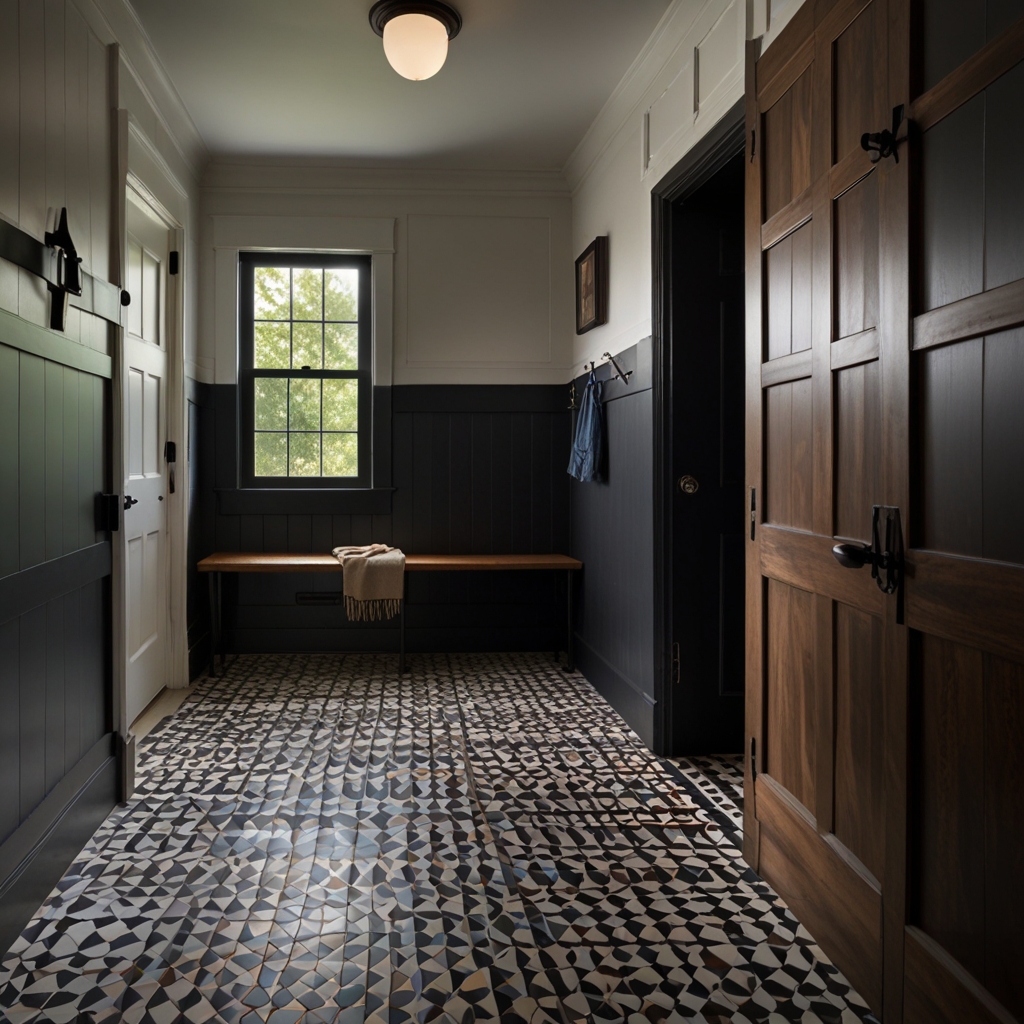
[{"x": 384, "y": 10}]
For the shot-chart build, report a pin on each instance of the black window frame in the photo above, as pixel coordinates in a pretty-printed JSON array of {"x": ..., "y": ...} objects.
[{"x": 247, "y": 372}]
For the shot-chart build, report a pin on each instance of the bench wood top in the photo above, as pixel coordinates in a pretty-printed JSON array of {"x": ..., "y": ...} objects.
[{"x": 225, "y": 561}]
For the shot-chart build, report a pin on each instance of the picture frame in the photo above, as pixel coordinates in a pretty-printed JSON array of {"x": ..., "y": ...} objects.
[{"x": 592, "y": 286}]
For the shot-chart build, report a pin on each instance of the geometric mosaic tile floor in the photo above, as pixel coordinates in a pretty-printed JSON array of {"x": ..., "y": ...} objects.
[{"x": 314, "y": 839}]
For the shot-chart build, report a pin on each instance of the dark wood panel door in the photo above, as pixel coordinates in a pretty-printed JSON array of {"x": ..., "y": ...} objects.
[
  {"x": 885, "y": 364},
  {"x": 963, "y": 471},
  {"x": 815, "y": 404}
]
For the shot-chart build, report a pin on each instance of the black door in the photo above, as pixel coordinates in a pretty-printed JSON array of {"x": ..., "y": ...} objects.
[{"x": 708, "y": 512}]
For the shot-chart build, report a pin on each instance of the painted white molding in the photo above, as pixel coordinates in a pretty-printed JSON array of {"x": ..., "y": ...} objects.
[
  {"x": 372, "y": 235},
  {"x": 325, "y": 177},
  {"x": 141, "y": 60}
]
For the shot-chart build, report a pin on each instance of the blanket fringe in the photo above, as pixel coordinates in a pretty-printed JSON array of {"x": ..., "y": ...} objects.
[{"x": 371, "y": 611}]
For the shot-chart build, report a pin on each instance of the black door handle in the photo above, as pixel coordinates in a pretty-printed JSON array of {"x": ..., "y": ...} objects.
[
  {"x": 882, "y": 144},
  {"x": 129, "y": 501},
  {"x": 853, "y": 556}
]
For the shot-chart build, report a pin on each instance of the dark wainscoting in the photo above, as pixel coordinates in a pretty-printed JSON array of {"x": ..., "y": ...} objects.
[
  {"x": 58, "y": 775},
  {"x": 473, "y": 469},
  {"x": 612, "y": 534}
]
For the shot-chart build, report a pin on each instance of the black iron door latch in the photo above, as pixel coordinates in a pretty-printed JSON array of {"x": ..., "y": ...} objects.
[
  {"x": 885, "y": 553},
  {"x": 883, "y": 144}
]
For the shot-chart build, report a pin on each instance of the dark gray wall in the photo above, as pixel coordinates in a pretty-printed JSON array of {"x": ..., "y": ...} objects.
[
  {"x": 55, "y": 692},
  {"x": 475, "y": 469},
  {"x": 612, "y": 524}
]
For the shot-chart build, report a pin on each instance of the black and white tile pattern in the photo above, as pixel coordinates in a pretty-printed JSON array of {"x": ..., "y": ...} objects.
[{"x": 317, "y": 840}]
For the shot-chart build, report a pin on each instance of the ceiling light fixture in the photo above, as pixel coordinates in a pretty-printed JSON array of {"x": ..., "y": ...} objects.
[{"x": 416, "y": 34}]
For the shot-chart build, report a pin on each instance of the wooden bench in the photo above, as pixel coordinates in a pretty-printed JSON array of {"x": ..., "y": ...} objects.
[{"x": 218, "y": 564}]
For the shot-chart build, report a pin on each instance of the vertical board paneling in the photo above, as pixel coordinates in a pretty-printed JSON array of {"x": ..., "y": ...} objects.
[
  {"x": 86, "y": 459},
  {"x": 55, "y": 696},
  {"x": 32, "y": 685},
  {"x": 10, "y": 122},
  {"x": 54, "y": 460},
  {"x": 71, "y": 468},
  {"x": 32, "y": 459},
  {"x": 56, "y": 196},
  {"x": 76, "y": 126},
  {"x": 10, "y": 533},
  {"x": 99, "y": 160},
  {"x": 32, "y": 149},
  {"x": 10, "y": 728}
]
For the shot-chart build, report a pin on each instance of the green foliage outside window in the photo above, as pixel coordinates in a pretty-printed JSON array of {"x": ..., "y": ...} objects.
[{"x": 306, "y": 319}]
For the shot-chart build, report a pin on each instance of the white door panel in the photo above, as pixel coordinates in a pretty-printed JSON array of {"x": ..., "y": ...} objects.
[{"x": 145, "y": 470}]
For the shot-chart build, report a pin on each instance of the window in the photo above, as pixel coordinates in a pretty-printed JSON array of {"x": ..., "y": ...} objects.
[{"x": 304, "y": 370}]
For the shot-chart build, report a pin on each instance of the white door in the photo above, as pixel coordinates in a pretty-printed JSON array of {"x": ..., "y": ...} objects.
[{"x": 145, "y": 468}]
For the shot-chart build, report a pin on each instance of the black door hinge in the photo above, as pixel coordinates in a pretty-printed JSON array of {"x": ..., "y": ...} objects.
[
  {"x": 753, "y": 757},
  {"x": 173, "y": 262},
  {"x": 108, "y": 513},
  {"x": 753, "y": 511},
  {"x": 753, "y": 143}
]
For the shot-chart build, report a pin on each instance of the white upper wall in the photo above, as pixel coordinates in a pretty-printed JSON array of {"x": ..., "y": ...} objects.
[
  {"x": 482, "y": 286},
  {"x": 683, "y": 82},
  {"x": 64, "y": 66}
]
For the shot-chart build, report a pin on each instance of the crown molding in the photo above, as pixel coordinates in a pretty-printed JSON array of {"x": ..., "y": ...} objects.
[
  {"x": 140, "y": 59},
  {"x": 325, "y": 177},
  {"x": 630, "y": 94}
]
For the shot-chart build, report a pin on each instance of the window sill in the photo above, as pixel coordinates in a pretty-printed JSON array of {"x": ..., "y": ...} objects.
[{"x": 375, "y": 501}]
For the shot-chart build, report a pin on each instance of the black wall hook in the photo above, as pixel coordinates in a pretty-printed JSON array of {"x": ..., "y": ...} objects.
[{"x": 884, "y": 143}]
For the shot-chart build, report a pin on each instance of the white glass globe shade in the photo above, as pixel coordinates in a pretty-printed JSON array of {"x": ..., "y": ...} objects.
[{"x": 416, "y": 45}]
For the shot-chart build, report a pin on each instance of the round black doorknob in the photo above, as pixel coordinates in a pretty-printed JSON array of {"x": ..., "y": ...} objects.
[{"x": 688, "y": 484}]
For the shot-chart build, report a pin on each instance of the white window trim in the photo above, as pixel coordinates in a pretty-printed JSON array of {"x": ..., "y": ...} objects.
[{"x": 374, "y": 236}]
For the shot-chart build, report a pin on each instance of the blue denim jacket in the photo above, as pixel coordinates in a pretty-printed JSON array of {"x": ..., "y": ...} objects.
[{"x": 588, "y": 445}]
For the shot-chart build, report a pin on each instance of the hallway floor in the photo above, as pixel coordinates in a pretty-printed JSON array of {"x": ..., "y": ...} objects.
[{"x": 315, "y": 840}]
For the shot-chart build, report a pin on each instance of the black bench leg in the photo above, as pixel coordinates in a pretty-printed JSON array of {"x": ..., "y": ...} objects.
[
  {"x": 401, "y": 629},
  {"x": 570, "y": 654},
  {"x": 214, "y": 581}
]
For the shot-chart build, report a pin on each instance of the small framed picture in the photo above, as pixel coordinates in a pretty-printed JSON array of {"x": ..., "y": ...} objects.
[{"x": 592, "y": 286}]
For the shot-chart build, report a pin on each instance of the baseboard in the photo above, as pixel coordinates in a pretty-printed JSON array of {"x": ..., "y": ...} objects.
[
  {"x": 36, "y": 855},
  {"x": 623, "y": 695}
]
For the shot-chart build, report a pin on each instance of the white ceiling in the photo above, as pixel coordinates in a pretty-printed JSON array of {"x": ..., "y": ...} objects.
[{"x": 523, "y": 81}]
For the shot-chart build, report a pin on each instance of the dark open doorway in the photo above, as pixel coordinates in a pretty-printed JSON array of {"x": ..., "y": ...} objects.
[{"x": 699, "y": 468}]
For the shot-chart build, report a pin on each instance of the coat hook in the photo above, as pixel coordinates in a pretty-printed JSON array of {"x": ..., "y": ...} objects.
[
  {"x": 572, "y": 396},
  {"x": 619, "y": 375}
]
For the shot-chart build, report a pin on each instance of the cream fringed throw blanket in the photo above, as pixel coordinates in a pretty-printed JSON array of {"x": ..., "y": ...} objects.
[{"x": 374, "y": 581}]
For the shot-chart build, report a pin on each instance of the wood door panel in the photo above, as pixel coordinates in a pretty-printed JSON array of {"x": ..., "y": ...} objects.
[
  {"x": 787, "y": 146},
  {"x": 855, "y": 231},
  {"x": 804, "y": 867},
  {"x": 805, "y": 560},
  {"x": 1004, "y": 827},
  {"x": 789, "y": 753},
  {"x": 968, "y": 861},
  {"x": 971, "y": 423},
  {"x": 939, "y": 991},
  {"x": 972, "y": 210},
  {"x": 859, "y": 75},
  {"x": 789, "y": 487},
  {"x": 972, "y": 601},
  {"x": 949, "y": 39},
  {"x": 858, "y": 449},
  {"x": 858, "y": 731},
  {"x": 788, "y": 295},
  {"x": 950, "y": 862},
  {"x": 953, "y": 207}
]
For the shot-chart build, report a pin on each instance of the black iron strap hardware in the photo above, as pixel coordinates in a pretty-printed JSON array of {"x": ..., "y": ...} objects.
[
  {"x": 885, "y": 556},
  {"x": 884, "y": 143},
  {"x": 57, "y": 262},
  {"x": 108, "y": 515}
]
